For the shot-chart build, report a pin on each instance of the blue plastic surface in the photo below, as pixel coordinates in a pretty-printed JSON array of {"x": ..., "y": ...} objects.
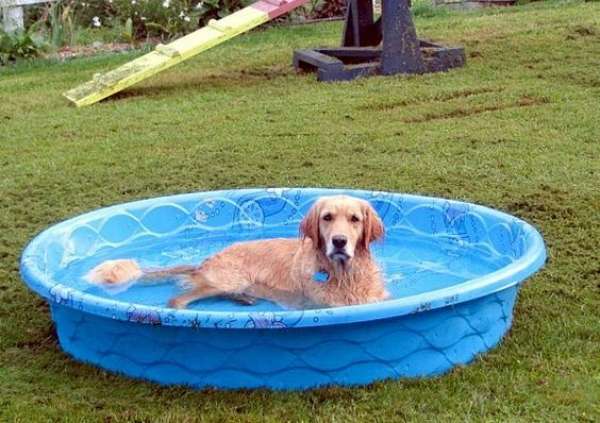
[{"x": 453, "y": 270}]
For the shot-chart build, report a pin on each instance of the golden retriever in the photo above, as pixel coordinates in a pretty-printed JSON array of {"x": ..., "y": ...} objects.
[{"x": 330, "y": 265}]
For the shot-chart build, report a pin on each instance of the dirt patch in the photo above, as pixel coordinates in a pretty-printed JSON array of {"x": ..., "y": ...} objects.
[
  {"x": 168, "y": 84},
  {"x": 441, "y": 97},
  {"x": 579, "y": 78},
  {"x": 267, "y": 73},
  {"x": 465, "y": 93},
  {"x": 531, "y": 101},
  {"x": 579, "y": 31},
  {"x": 462, "y": 112},
  {"x": 546, "y": 204},
  {"x": 593, "y": 275},
  {"x": 39, "y": 338}
]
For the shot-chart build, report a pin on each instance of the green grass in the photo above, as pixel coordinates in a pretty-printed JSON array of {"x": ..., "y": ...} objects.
[{"x": 518, "y": 129}]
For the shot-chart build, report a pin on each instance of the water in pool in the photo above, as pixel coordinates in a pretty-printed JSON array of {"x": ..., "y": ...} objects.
[{"x": 412, "y": 264}]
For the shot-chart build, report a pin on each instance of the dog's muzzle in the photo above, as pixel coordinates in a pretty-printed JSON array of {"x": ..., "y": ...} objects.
[{"x": 338, "y": 253}]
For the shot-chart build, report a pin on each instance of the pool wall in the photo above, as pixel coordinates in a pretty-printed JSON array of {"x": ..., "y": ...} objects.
[
  {"x": 422, "y": 344},
  {"x": 418, "y": 335}
]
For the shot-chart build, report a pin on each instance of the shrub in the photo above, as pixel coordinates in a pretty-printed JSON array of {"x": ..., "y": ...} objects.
[
  {"x": 137, "y": 18},
  {"x": 20, "y": 45},
  {"x": 169, "y": 18},
  {"x": 66, "y": 21},
  {"x": 329, "y": 9}
]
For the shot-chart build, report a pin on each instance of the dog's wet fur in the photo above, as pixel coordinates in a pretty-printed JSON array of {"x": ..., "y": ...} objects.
[{"x": 335, "y": 238}]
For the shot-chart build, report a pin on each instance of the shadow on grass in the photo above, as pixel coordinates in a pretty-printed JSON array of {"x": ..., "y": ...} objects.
[{"x": 172, "y": 84}]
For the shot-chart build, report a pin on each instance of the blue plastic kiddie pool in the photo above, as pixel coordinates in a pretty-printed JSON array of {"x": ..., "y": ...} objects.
[{"x": 453, "y": 270}]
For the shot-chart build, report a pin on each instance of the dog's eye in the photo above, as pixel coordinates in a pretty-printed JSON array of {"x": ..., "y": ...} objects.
[
  {"x": 354, "y": 218},
  {"x": 327, "y": 217}
]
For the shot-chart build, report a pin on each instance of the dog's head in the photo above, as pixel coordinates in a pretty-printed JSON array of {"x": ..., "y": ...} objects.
[{"x": 342, "y": 227}]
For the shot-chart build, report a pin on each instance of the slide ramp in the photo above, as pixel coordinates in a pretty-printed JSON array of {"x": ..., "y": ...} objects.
[{"x": 104, "y": 85}]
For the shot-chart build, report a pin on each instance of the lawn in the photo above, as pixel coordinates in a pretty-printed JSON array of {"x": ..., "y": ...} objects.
[{"x": 517, "y": 129}]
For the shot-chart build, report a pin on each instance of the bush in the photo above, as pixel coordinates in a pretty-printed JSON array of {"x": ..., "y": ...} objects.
[
  {"x": 69, "y": 22},
  {"x": 329, "y": 9},
  {"x": 20, "y": 45},
  {"x": 136, "y": 19},
  {"x": 165, "y": 18}
]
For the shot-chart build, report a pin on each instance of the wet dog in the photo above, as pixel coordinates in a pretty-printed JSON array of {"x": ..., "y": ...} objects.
[{"x": 330, "y": 265}]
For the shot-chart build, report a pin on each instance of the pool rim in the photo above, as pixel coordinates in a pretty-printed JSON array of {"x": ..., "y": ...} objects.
[{"x": 532, "y": 259}]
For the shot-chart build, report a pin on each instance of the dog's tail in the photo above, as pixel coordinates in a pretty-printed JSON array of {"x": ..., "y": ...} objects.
[{"x": 123, "y": 271}]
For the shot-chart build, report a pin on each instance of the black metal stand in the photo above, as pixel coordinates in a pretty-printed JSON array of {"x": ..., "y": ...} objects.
[{"x": 387, "y": 46}]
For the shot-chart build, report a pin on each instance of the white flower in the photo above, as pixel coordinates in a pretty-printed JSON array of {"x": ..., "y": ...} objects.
[
  {"x": 143, "y": 18},
  {"x": 186, "y": 18},
  {"x": 181, "y": 14},
  {"x": 96, "y": 22},
  {"x": 133, "y": 2},
  {"x": 166, "y": 4}
]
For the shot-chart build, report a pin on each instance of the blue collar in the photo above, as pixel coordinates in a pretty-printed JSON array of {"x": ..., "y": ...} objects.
[{"x": 321, "y": 276}]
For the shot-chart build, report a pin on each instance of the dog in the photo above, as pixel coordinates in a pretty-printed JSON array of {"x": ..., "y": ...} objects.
[{"x": 329, "y": 265}]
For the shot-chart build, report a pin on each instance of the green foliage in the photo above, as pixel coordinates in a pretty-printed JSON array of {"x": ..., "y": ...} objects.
[
  {"x": 127, "y": 34},
  {"x": 65, "y": 18},
  {"x": 426, "y": 9},
  {"x": 169, "y": 18},
  {"x": 327, "y": 8},
  {"x": 72, "y": 22},
  {"x": 58, "y": 22},
  {"x": 19, "y": 45},
  {"x": 130, "y": 20}
]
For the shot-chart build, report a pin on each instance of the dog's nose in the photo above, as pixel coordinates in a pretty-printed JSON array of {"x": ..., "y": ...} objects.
[{"x": 339, "y": 241}]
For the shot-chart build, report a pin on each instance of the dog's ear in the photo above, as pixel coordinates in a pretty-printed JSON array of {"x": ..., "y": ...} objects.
[
  {"x": 373, "y": 228},
  {"x": 309, "y": 227}
]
